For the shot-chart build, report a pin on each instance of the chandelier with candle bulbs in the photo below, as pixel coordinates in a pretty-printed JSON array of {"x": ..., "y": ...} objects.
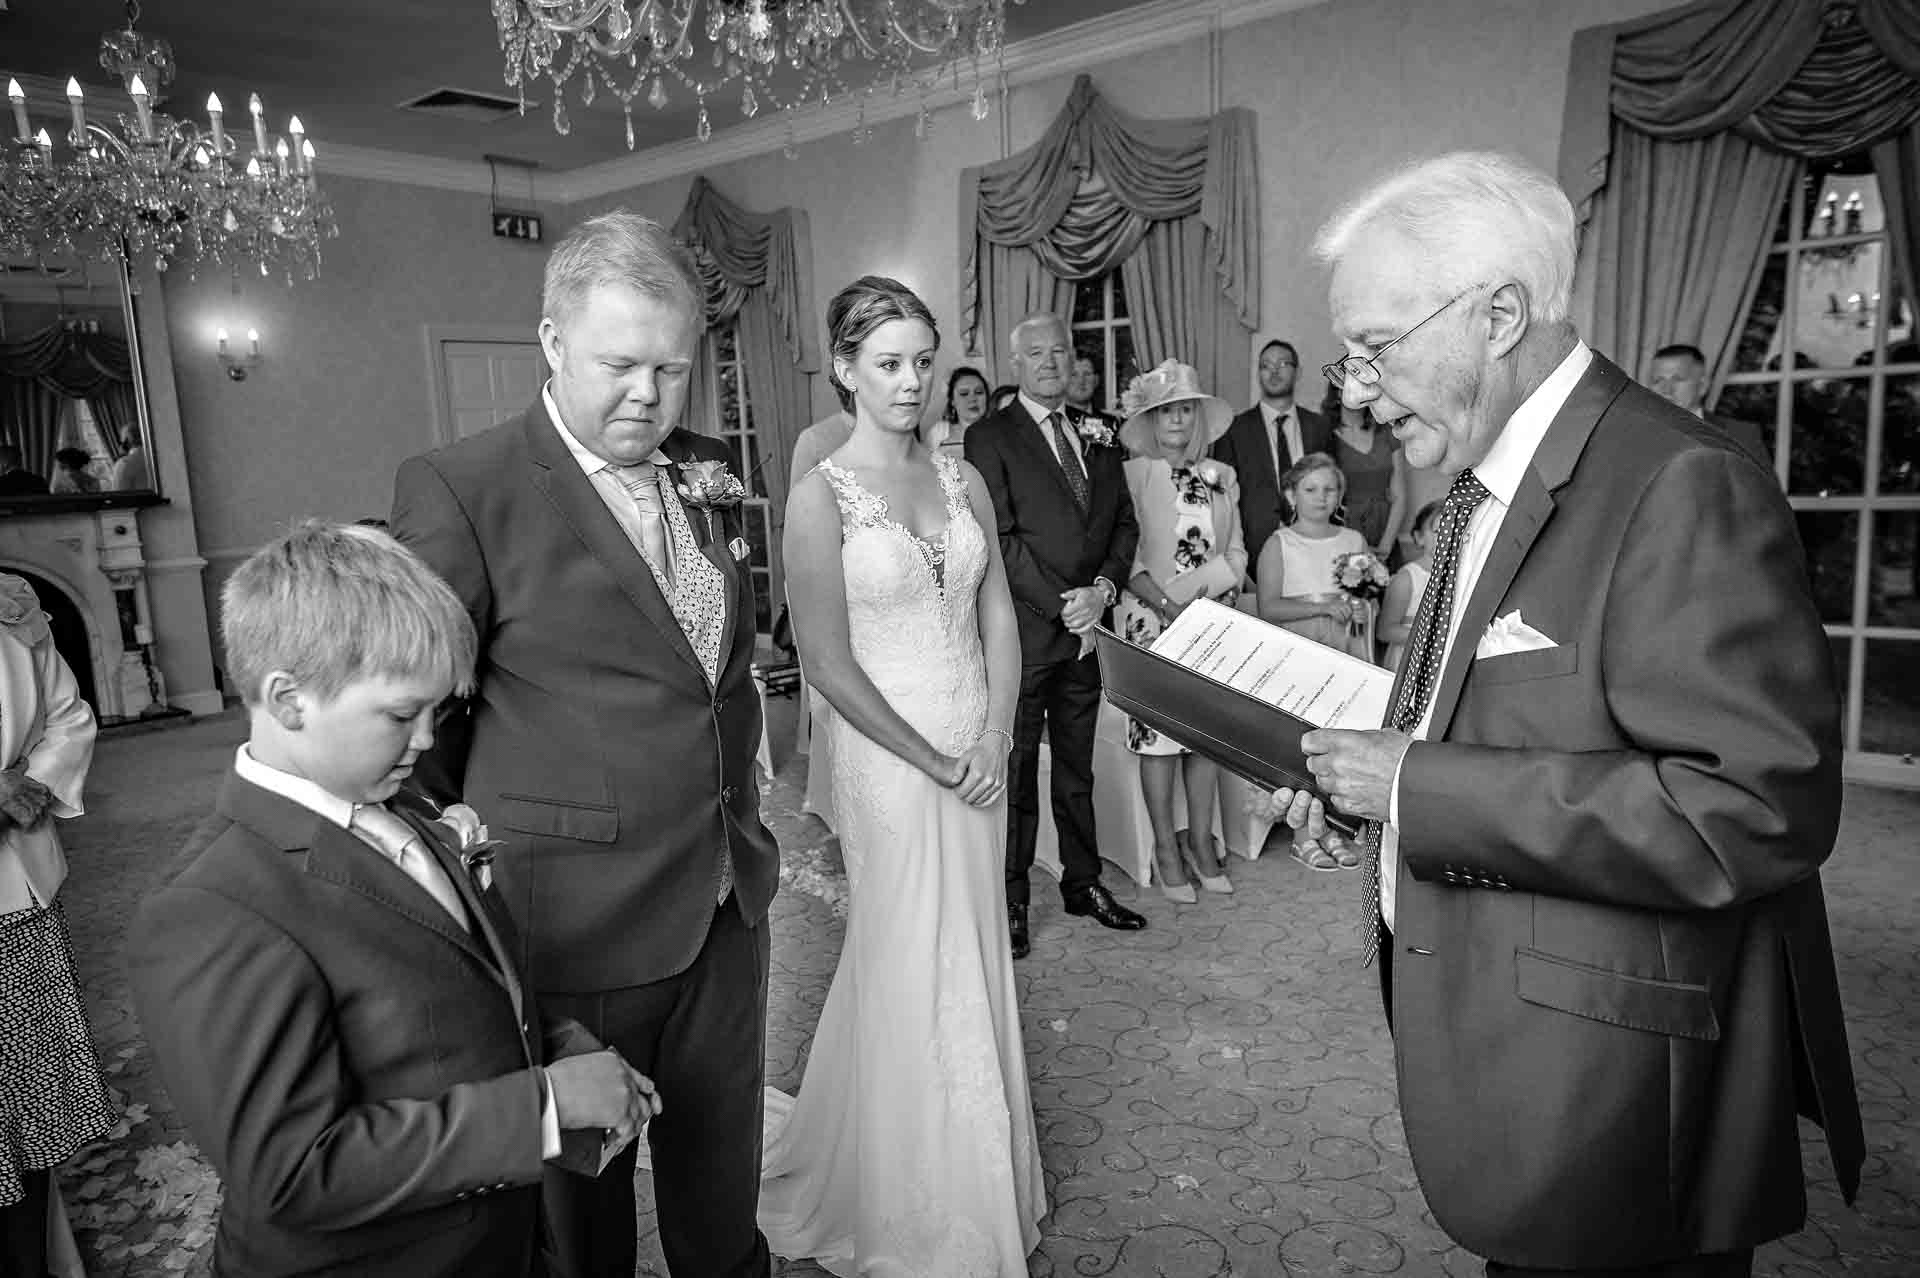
[
  {"x": 778, "y": 54},
  {"x": 150, "y": 186}
]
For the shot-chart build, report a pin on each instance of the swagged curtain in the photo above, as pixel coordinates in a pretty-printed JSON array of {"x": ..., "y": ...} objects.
[
  {"x": 1683, "y": 133},
  {"x": 757, "y": 268},
  {"x": 1173, "y": 203},
  {"x": 43, "y": 370}
]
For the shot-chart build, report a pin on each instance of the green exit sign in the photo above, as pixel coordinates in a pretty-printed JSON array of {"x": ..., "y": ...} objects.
[{"x": 517, "y": 226}]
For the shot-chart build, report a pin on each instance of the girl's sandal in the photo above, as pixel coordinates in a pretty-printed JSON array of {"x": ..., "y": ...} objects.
[
  {"x": 1315, "y": 857},
  {"x": 1344, "y": 854}
]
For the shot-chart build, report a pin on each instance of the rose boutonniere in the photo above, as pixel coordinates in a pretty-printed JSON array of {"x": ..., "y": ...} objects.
[
  {"x": 708, "y": 486},
  {"x": 1096, "y": 431},
  {"x": 476, "y": 849}
]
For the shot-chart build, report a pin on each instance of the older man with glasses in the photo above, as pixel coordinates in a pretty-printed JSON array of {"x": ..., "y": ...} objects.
[{"x": 1611, "y": 771}]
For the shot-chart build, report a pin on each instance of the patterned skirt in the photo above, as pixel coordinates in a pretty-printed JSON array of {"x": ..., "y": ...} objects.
[
  {"x": 52, "y": 1097},
  {"x": 1140, "y": 625}
]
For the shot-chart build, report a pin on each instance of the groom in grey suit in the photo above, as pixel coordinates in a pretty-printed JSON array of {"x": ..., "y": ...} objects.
[{"x": 611, "y": 739}]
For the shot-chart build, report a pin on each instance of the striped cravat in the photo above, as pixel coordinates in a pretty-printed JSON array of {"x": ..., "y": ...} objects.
[
  {"x": 394, "y": 839},
  {"x": 1425, "y": 651}
]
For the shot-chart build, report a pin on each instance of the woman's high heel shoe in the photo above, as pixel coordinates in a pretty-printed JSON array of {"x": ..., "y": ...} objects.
[
  {"x": 1217, "y": 883},
  {"x": 1179, "y": 893}
]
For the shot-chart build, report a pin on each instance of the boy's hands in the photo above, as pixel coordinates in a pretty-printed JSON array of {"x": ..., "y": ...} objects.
[{"x": 599, "y": 1089}]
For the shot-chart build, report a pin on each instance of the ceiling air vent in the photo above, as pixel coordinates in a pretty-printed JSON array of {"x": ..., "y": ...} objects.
[{"x": 464, "y": 104}]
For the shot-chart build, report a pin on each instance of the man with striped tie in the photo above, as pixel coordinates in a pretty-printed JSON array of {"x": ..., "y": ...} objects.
[{"x": 1611, "y": 771}]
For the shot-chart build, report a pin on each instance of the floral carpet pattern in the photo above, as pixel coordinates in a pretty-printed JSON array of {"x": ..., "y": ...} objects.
[{"x": 1214, "y": 1094}]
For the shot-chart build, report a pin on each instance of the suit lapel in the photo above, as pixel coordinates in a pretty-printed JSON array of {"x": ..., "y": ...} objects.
[
  {"x": 558, "y": 478},
  {"x": 1533, "y": 505},
  {"x": 438, "y": 840},
  {"x": 1027, "y": 435},
  {"x": 338, "y": 856}
]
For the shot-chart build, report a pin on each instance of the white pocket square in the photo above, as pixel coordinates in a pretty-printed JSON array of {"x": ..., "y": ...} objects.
[{"x": 1509, "y": 634}]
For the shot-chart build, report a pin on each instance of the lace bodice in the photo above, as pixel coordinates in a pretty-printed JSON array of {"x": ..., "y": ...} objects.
[{"x": 911, "y": 605}]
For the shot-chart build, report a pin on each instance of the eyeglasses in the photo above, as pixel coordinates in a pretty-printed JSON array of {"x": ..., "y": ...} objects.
[{"x": 1363, "y": 370}]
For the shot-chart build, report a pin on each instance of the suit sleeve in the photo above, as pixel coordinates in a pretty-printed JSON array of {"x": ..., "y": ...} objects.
[
  {"x": 1031, "y": 582},
  {"x": 242, "y": 1026},
  {"x": 1714, "y": 665},
  {"x": 428, "y": 519},
  {"x": 1118, "y": 565}
]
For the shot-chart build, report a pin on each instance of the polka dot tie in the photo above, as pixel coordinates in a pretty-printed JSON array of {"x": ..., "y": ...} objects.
[
  {"x": 1424, "y": 653},
  {"x": 1069, "y": 460}
]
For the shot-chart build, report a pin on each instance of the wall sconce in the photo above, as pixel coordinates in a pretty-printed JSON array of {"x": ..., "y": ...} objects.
[{"x": 234, "y": 360}]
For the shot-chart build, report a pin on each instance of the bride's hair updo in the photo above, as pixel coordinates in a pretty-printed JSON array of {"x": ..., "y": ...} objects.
[{"x": 864, "y": 305}]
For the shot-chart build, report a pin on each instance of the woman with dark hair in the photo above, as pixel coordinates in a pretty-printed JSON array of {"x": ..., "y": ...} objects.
[
  {"x": 966, "y": 404},
  {"x": 1376, "y": 474},
  {"x": 911, "y": 1147},
  {"x": 70, "y": 473}
]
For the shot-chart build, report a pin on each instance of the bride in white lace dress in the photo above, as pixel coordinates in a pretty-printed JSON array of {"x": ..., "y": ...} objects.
[{"x": 910, "y": 1150}]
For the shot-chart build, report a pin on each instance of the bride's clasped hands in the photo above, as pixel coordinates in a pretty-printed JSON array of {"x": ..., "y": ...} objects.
[{"x": 978, "y": 777}]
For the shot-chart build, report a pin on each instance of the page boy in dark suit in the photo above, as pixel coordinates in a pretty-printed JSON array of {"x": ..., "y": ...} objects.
[{"x": 329, "y": 984}]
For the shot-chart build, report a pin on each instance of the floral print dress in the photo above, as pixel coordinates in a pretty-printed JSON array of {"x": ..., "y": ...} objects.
[{"x": 1190, "y": 543}]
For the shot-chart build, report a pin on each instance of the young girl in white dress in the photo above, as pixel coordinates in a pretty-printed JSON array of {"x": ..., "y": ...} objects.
[
  {"x": 910, "y": 1149},
  {"x": 1297, "y": 591}
]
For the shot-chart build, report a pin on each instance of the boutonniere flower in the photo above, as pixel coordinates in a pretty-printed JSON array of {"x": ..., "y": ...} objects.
[
  {"x": 476, "y": 849},
  {"x": 1097, "y": 432},
  {"x": 708, "y": 486}
]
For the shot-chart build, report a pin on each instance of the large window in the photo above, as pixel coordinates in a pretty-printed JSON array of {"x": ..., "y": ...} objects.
[
  {"x": 742, "y": 438},
  {"x": 1829, "y": 367},
  {"x": 1103, "y": 332}
]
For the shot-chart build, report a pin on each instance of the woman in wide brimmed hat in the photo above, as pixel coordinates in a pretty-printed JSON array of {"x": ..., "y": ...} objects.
[{"x": 1190, "y": 548}]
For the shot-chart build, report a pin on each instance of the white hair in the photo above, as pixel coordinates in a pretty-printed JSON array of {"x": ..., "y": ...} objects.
[
  {"x": 1474, "y": 217},
  {"x": 1033, "y": 321}
]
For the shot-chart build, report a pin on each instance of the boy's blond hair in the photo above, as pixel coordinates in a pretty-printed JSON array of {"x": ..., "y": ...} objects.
[{"x": 333, "y": 603}]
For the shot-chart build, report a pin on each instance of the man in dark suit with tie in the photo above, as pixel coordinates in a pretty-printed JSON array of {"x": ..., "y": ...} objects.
[
  {"x": 1609, "y": 778},
  {"x": 1067, "y": 534},
  {"x": 1678, "y": 375},
  {"x": 1265, "y": 440},
  {"x": 612, "y": 737}
]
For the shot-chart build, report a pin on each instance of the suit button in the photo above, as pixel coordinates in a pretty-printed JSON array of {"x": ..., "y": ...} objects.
[
  {"x": 719, "y": 704},
  {"x": 726, "y": 795}
]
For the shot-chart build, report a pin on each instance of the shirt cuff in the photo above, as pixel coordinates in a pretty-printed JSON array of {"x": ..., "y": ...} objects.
[
  {"x": 549, "y": 1119},
  {"x": 1393, "y": 795}
]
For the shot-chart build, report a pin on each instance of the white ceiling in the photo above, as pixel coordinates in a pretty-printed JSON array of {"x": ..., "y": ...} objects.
[{"x": 344, "y": 66}]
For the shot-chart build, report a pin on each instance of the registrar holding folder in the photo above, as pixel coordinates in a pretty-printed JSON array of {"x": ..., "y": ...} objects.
[{"x": 1242, "y": 692}]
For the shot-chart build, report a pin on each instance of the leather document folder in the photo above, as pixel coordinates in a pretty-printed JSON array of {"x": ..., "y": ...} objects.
[{"x": 1241, "y": 733}]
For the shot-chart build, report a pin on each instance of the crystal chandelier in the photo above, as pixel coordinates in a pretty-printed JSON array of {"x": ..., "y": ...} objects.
[
  {"x": 819, "y": 49},
  {"x": 156, "y": 186}
]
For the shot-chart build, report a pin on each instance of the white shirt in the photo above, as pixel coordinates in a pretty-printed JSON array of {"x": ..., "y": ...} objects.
[
  {"x": 1281, "y": 425},
  {"x": 603, "y": 475},
  {"x": 1039, "y": 413},
  {"x": 335, "y": 810},
  {"x": 1501, "y": 471}
]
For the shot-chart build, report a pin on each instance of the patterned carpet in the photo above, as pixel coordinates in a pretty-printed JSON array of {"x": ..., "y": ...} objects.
[{"x": 1214, "y": 1094}]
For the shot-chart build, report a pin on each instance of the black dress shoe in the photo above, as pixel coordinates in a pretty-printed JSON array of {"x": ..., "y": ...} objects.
[
  {"x": 1017, "y": 930},
  {"x": 1098, "y": 904}
]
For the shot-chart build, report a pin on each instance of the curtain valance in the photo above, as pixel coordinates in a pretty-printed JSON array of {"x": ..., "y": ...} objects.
[
  {"x": 740, "y": 251},
  {"x": 71, "y": 361},
  {"x": 1083, "y": 197}
]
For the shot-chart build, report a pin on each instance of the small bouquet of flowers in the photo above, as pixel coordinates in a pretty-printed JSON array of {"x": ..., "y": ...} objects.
[{"x": 1362, "y": 578}]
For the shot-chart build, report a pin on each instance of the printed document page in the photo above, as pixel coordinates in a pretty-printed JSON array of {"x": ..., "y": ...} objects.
[{"x": 1322, "y": 685}]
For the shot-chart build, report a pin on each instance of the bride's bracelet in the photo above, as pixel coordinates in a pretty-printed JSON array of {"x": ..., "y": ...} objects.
[{"x": 1000, "y": 732}]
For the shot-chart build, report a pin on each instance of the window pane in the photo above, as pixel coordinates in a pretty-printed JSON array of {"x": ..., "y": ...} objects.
[
  {"x": 729, "y": 401},
  {"x": 1758, "y": 404},
  {"x": 1894, "y": 598},
  {"x": 1847, "y": 204},
  {"x": 1903, "y": 343},
  {"x": 733, "y": 452},
  {"x": 1119, "y": 296},
  {"x": 1126, "y": 364},
  {"x": 1829, "y": 437},
  {"x": 1086, "y": 302},
  {"x": 1900, "y": 436},
  {"x": 756, "y": 478},
  {"x": 1830, "y": 538},
  {"x": 1760, "y": 339},
  {"x": 1837, "y": 307},
  {"x": 1890, "y": 709},
  {"x": 724, "y": 343}
]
